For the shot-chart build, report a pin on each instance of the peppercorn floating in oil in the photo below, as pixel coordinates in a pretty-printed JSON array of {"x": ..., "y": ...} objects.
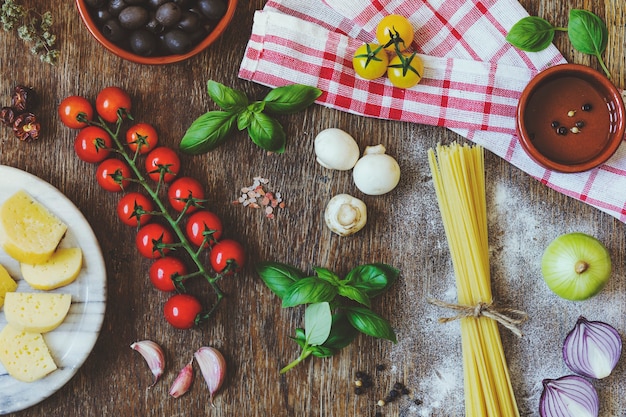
[
  {"x": 569, "y": 120},
  {"x": 156, "y": 27},
  {"x": 19, "y": 116}
]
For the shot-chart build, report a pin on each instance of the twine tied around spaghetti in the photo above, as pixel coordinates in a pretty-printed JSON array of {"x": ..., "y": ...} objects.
[{"x": 508, "y": 317}]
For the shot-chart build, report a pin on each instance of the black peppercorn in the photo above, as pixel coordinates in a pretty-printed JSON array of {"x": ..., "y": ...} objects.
[
  {"x": 358, "y": 391},
  {"x": 586, "y": 107},
  {"x": 393, "y": 394},
  {"x": 580, "y": 124},
  {"x": 562, "y": 130},
  {"x": 555, "y": 124},
  {"x": 398, "y": 386}
]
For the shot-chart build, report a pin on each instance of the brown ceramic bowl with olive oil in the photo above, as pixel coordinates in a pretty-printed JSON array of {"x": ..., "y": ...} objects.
[
  {"x": 570, "y": 118},
  {"x": 213, "y": 28}
]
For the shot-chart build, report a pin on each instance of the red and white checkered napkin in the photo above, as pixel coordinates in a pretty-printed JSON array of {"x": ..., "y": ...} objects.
[{"x": 471, "y": 82}]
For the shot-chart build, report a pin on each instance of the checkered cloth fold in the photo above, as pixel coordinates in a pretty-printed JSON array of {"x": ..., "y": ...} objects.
[{"x": 471, "y": 83}]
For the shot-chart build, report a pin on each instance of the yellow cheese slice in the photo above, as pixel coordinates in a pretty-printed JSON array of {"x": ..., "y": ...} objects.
[
  {"x": 28, "y": 231},
  {"x": 59, "y": 270},
  {"x": 25, "y": 355},
  {"x": 7, "y": 284},
  {"x": 36, "y": 312}
]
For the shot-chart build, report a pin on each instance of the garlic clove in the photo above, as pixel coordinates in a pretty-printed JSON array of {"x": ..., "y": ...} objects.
[
  {"x": 153, "y": 354},
  {"x": 376, "y": 172},
  {"x": 213, "y": 368},
  {"x": 183, "y": 381},
  {"x": 336, "y": 149},
  {"x": 345, "y": 215}
]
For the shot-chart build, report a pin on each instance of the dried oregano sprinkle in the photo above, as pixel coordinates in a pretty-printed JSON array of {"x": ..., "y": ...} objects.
[{"x": 32, "y": 27}]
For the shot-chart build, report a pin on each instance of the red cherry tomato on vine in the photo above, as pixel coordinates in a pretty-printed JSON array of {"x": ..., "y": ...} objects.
[
  {"x": 92, "y": 144},
  {"x": 182, "y": 310},
  {"x": 111, "y": 101},
  {"x": 142, "y": 136},
  {"x": 164, "y": 270},
  {"x": 132, "y": 207},
  {"x": 162, "y": 159},
  {"x": 229, "y": 254},
  {"x": 112, "y": 175},
  {"x": 182, "y": 190},
  {"x": 150, "y": 238},
  {"x": 202, "y": 222},
  {"x": 71, "y": 107}
]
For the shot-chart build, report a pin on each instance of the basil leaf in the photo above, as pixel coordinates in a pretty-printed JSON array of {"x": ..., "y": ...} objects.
[
  {"x": 267, "y": 133},
  {"x": 354, "y": 294},
  {"x": 207, "y": 132},
  {"x": 317, "y": 323},
  {"x": 307, "y": 291},
  {"x": 531, "y": 34},
  {"x": 327, "y": 275},
  {"x": 299, "y": 338},
  {"x": 322, "y": 351},
  {"x": 587, "y": 32},
  {"x": 291, "y": 98},
  {"x": 244, "y": 119},
  {"x": 370, "y": 323},
  {"x": 227, "y": 98},
  {"x": 341, "y": 333},
  {"x": 278, "y": 276},
  {"x": 374, "y": 279}
]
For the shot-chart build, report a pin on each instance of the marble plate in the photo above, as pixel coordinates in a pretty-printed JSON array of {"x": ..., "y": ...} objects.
[{"x": 70, "y": 343}]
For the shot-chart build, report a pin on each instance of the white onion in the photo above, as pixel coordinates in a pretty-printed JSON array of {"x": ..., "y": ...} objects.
[
  {"x": 592, "y": 348},
  {"x": 568, "y": 396}
]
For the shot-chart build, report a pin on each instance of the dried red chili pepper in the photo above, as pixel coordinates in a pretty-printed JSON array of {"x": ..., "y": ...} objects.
[
  {"x": 26, "y": 127},
  {"x": 7, "y": 116},
  {"x": 23, "y": 98}
]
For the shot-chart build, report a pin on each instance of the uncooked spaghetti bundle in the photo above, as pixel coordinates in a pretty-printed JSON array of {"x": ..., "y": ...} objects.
[{"x": 459, "y": 180}]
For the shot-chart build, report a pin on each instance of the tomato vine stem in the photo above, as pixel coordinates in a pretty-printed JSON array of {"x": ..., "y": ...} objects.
[{"x": 164, "y": 213}]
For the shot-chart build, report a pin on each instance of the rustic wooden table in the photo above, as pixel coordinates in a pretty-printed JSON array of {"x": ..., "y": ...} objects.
[{"x": 250, "y": 328}]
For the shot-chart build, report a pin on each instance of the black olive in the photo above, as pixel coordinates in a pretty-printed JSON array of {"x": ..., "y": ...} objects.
[
  {"x": 143, "y": 42},
  {"x": 133, "y": 17},
  {"x": 184, "y": 4},
  {"x": 153, "y": 25},
  {"x": 102, "y": 15},
  {"x": 168, "y": 14},
  {"x": 113, "y": 31},
  {"x": 116, "y": 6},
  {"x": 135, "y": 2},
  {"x": 177, "y": 41},
  {"x": 155, "y": 4},
  {"x": 95, "y": 3},
  {"x": 212, "y": 9},
  {"x": 189, "y": 21}
]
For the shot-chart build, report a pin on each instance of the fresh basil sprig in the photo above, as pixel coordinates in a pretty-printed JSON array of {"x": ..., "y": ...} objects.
[
  {"x": 337, "y": 309},
  {"x": 587, "y": 33},
  {"x": 212, "y": 128}
]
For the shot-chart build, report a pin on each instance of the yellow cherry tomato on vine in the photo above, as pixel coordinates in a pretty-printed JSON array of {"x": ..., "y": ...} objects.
[
  {"x": 395, "y": 30},
  {"x": 370, "y": 61},
  {"x": 405, "y": 70}
]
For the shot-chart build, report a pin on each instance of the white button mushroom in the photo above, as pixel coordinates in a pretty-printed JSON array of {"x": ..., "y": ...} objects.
[
  {"x": 336, "y": 149},
  {"x": 345, "y": 215},
  {"x": 376, "y": 172}
]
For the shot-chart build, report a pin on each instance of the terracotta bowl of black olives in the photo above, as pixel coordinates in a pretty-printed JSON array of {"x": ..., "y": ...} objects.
[
  {"x": 570, "y": 118},
  {"x": 156, "y": 32}
]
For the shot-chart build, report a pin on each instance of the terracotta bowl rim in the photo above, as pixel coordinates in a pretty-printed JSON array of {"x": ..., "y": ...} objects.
[
  {"x": 588, "y": 73},
  {"x": 217, "y": 31}
]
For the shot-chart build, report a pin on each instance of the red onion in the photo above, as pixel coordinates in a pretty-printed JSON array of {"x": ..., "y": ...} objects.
[
  {"x": 568, "y": 396},
  {"x": 592, "y": 348}
]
